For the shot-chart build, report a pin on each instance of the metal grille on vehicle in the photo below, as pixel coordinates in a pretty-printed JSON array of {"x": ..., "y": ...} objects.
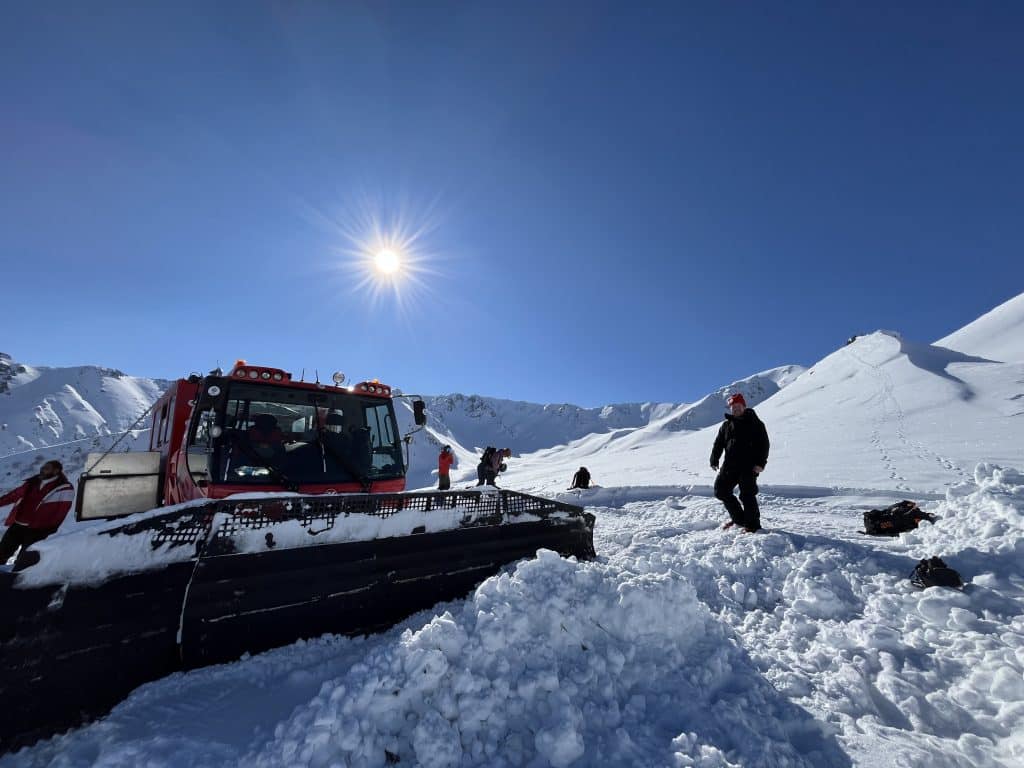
[{"x": 321, "y": 513}]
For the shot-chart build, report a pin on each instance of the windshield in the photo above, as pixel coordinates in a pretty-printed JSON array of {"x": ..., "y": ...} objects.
[{"x": 277, "y": 436}]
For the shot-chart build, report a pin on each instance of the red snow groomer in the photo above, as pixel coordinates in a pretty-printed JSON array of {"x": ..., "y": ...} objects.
[{"x": 266, "y": 510}]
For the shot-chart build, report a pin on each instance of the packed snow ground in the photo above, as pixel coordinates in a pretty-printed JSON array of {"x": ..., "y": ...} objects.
[{"x": 682, "y": 645}]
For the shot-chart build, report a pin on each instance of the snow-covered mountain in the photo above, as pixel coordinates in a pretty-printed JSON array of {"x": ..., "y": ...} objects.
[
  {"x": 881, "y": 412},
  {"x": 869, "y": 410},
  {"x": 64, "y": 413},
  {"x": 469, "y": 423},
  {"x": 996, "y": 335}
]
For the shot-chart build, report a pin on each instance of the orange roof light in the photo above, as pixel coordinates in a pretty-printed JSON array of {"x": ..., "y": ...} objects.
[{"x": 243, "y": 370}]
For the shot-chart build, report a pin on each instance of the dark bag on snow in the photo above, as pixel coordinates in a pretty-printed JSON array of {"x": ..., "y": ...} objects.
[
  {"x": 935, "y": 573},
  {"x": 894, "y": 520}
]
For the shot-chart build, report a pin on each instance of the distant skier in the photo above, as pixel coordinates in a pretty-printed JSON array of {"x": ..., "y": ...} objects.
[
  {"x": 42, "y": 504},
  {"x": 744, "y": 440},
  {"x": 581, "y": 479},
  {"x": 445, "y": 459}
]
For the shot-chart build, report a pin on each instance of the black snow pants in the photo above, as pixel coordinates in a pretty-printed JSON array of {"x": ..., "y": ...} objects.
[
  {"x": 747, "y": 514},
  {"x": 485, "y": 474},
  {"x": 18, "y": 536}
]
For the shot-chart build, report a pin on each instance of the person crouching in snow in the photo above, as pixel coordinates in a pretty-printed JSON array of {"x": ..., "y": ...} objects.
[
  {"x": 491, "y": 464},
  {"x": 484, "y": 467},
  {"x": 445, "y": 459},
  {"x": 42, "y": 504},
  {"x": 581, "y": 479},
  {"x": 744, "y": 440}
]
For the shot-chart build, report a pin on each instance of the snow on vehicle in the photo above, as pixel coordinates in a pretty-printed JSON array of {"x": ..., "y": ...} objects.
[{"x": 267, "y": 510}]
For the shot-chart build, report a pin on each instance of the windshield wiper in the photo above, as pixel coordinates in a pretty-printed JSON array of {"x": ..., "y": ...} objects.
[{"x": 364, "y": 482}]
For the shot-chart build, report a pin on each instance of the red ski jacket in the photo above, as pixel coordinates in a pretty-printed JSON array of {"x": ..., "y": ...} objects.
[
  {"x": 40, "y": 505},
  {"x": 444, "y": 462}
]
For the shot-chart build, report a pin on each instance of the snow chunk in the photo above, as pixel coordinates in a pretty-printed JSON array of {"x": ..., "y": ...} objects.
[{"x": 553, "y": 663}]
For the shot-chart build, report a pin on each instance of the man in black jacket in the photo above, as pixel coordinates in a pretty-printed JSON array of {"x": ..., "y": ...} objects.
[
  {"x": 581, "y": 479},
  {"x": 744, "y": 440}
]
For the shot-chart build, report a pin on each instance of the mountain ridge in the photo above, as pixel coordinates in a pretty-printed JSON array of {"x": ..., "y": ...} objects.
[{"x": 64, "y": 413}]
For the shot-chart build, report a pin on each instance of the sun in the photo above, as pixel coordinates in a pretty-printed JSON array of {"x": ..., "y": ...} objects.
[
  {"x": 385, "y": 254},
  {"x": 387, "y": 261}
]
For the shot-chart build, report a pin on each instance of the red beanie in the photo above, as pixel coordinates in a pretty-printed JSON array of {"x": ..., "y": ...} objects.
[{"x": 736, "y": 398}]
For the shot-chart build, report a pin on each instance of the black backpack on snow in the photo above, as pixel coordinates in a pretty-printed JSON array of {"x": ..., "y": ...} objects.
[
  {"x": 488, "y": 452},
  {"x": 933, "y": 572},
  {"x": 896, "y": 519}
]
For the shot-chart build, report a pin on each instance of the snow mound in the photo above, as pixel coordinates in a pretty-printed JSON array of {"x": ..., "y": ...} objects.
[
  {"x": 686, "y": 645},
  {"x": 996, "y": 335},
  {"x": 555, "y": 663},
  {"x": 829, "y": 617},
  {"x": 987, "y": 514},
  {"x": 980, "y": 531}
]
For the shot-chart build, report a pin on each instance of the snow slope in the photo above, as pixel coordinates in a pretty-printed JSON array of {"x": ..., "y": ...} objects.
[
  {"x": 682, "y": 645},
  {"x": 996, "y": 335},
  {"x": 64, "y": 413},
  {"x": 882, "y": 412},
  {"x": 469, "y": 423}
]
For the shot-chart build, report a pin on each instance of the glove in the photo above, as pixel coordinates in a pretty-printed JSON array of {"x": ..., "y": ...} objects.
[{"x": 714, "y": 465}]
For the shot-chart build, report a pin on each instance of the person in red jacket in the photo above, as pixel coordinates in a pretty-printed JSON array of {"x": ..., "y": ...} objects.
[
  {"x": 445, "y": 459},
  {"x": 41, "y": 504}
]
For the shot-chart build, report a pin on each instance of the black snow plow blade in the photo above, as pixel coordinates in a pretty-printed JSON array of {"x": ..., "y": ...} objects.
[{"x": 235, "y": 576}]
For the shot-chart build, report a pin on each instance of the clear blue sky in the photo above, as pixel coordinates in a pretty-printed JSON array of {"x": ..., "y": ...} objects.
[{"x": 622, "y": 203}]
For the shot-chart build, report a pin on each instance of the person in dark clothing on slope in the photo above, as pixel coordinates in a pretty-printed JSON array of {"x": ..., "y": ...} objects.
[
  {"x": 491, "y": 464},
  {"x": 744, "y": 441},
  {"x": 581, "y": 479}
]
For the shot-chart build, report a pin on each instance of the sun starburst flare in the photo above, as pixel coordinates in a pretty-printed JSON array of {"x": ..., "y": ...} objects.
[{"x": 386, "y": 257}]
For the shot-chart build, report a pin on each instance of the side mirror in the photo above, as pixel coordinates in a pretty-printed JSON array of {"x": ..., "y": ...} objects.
[{"x": 419, "y": 412}]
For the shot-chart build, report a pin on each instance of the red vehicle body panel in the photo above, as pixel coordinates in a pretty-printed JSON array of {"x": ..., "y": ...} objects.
[{"x": 169, "y": 436}]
